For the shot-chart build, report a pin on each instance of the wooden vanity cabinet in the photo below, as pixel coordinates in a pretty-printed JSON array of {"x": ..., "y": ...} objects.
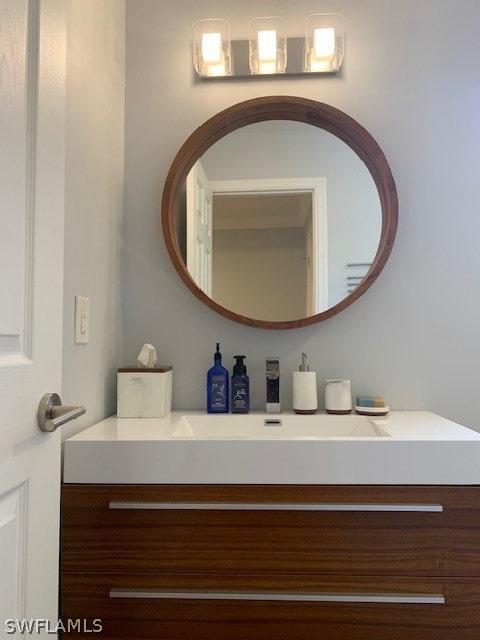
[{"x": 193, "y": 562}]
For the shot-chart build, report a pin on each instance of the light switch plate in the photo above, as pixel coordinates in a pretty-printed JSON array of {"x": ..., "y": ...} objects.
[{"x": 82, "y": 320}]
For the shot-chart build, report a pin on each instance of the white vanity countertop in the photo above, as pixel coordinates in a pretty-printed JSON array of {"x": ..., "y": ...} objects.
[{"x": 419, "y": 448}]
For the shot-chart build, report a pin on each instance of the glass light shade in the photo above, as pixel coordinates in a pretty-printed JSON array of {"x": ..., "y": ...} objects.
[
  {"x": 212, "y": 49},
  {"x": 267, "y": 45},
  {"x": 324, "y": 42}
]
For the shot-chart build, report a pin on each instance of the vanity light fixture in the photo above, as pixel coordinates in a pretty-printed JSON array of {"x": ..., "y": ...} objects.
[
  {"x": 324, "y": 42},
  {"x": 267, "y": 46},
  {"x": 320, "y": 51},
  {"x": 212, "y": 50}
]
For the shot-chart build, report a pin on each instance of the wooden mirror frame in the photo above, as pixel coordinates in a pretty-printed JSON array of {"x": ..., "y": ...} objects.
[{"x": 282, "y": 108}]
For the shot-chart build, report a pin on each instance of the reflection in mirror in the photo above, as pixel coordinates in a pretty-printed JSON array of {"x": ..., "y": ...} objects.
[
  {"x": 263, "y": 239},
  {"x": 282, "y": 221}
]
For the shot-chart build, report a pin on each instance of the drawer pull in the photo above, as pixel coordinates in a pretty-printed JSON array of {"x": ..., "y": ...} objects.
[
  {"x": 272, "y": 506},
  {"x": 388, "y": 598}
]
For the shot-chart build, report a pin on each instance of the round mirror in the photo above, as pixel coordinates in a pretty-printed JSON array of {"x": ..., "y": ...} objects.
[{"x": 279, "y": 212}]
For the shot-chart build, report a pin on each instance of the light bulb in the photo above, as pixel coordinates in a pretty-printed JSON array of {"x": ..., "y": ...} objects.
[
  {"x": 324, "y": 43},
  {"x": 212, "y": 47},
  {"x": 267, "y": 45}
]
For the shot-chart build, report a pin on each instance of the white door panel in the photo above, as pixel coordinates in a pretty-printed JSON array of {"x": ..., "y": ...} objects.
[
  {"x": 32, "y": 167},
  {"x": 12, "y": 553},
  {"x": 199, "y": 228}
]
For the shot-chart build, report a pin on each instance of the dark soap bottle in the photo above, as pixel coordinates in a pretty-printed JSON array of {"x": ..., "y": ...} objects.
[
  {"x": 217, "y": 386},
  {"x": 240, "y": 387}
]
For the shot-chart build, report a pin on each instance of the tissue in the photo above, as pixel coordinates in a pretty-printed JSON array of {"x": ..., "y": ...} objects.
[{"x": 147, "y": 357}]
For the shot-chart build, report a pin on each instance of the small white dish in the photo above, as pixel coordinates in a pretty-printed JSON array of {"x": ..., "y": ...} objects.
[{"x": 372, "y": 411}]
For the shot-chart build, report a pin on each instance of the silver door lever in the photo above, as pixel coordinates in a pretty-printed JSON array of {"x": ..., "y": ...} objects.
[{"x": 52, "y": 414}]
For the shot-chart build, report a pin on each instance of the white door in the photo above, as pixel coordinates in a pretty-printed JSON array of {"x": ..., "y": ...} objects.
[
  {"x": 199, "y": 228},
  {"x": 32, "y": 88}
]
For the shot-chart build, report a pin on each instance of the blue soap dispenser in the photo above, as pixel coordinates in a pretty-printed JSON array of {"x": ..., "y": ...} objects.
[
  {"x": 240, "y": 387},
  {"x": 217, "y": 386}
]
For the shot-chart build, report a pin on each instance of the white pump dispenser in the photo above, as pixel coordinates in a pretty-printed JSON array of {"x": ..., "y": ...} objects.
[{"x": 305, "y": 389}]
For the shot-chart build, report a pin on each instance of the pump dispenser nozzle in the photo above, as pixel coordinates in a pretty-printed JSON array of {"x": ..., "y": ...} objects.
[{"x": 239, "y": 368}]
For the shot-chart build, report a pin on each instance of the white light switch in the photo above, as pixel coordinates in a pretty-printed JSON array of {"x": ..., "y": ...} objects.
[{"x": 82, "y": 319}]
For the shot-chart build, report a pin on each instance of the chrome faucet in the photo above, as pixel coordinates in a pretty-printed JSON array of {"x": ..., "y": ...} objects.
[{"x": 272, "y": 367}]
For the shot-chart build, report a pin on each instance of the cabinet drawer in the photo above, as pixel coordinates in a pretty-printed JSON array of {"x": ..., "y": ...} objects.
[
  {"x": 234, "y": 607},
  {"x": 324, "y": 530}
]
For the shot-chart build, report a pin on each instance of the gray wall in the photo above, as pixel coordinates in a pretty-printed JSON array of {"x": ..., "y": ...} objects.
[
  {"x": 94, "y": 202},
  {"x": 413, "y": 337}
]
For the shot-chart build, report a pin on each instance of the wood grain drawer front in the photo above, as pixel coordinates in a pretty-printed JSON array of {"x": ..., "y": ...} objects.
[
  {"x": 319, "y": 530},
  {"x": 148, "y": 615}
]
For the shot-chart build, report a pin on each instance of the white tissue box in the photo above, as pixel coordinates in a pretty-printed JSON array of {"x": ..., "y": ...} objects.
[{"x": 144, "y": 393}]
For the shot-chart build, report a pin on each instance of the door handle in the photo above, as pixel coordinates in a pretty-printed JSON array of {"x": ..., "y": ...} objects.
[{"x": 52, "y": 414}]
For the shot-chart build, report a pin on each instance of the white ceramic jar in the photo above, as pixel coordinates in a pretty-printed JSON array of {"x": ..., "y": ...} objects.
[{"x": 338, "y": 396}]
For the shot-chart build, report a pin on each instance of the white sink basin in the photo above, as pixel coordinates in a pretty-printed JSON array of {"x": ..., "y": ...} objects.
[
  {"x": 275, "y": 427},
  {"x": 190, "y": 447}
]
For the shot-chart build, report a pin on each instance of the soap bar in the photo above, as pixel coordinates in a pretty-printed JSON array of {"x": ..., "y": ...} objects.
[{"x": 370, "y": 401}]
